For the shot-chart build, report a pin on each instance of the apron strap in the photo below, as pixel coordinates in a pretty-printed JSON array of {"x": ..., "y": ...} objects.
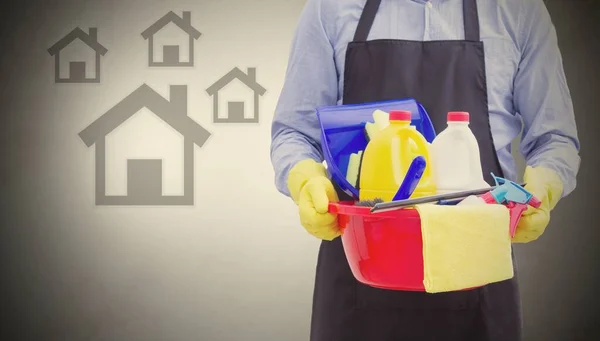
[
  {"x": 471, "y": 20},
  {"x": 470, "y": 16},
  {"x": 366, "y": 20}
]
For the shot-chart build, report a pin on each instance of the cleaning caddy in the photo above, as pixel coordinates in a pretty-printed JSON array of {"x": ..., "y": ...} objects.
[{"x": 400, "y": 233}]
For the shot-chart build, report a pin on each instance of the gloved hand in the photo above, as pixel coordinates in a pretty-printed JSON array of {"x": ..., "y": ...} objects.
[
  {"x": 312, "y": 191},
  {"x": 546, "y": 185}
]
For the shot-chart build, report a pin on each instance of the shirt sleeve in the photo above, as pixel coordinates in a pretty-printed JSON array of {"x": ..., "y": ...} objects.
[
  {"x": 311, "y": 81},
  {"x": 542, "y": 98}
]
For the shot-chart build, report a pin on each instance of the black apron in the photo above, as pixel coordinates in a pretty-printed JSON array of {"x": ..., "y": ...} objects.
[{"x": 443, "y": 76}]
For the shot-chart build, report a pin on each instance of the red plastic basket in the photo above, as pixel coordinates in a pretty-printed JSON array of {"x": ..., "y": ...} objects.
[{"x": 384, "y": 250}]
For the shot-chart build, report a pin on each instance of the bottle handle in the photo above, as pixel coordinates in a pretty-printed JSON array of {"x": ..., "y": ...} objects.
[
  {"x": 422, "y": 148},
  {"x": 474, "y": 159}
]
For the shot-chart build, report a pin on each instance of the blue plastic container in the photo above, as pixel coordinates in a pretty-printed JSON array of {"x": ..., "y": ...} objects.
[{"x": 343, "y": 132}]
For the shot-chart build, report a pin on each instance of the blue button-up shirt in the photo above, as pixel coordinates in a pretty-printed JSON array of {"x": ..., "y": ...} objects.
[{"x": 527, "y": 89}]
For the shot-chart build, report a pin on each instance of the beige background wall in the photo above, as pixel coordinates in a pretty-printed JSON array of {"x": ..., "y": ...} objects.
[{"x": 235, "y": 266}]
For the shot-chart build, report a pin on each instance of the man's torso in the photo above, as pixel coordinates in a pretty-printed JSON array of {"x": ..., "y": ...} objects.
[{"x": 443, "y": 20}]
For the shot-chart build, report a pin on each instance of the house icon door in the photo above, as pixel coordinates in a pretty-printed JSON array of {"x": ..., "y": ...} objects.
[{"x": 144, "y": 176}]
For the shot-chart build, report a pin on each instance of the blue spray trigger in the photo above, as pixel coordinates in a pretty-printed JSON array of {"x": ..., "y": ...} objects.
[
  {"x": 509, "y": 191},
  {"x": 499, "y": 194}
]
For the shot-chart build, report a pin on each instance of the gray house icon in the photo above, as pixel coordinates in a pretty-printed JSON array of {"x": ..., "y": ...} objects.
[
  {"x": 144, "y": 176},
  {"x": 235, "y": 109},
  {"x": 171, "y": 55},
  {"x": 77, "y": 72}
]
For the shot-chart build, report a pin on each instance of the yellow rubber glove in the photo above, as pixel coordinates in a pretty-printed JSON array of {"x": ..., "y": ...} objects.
[
  {"x": 547, "y": 186},
  {"x": 312, "y": 191}
]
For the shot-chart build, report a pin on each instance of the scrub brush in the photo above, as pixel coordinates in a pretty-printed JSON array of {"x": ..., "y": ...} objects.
[
  {"x": 353, "y": 177},
  {"x": 354, "y": 168},
  {"x": 381, "y": 120},
  {"x": 369, "y": 203},
  {"x": 370, "y": 130}
]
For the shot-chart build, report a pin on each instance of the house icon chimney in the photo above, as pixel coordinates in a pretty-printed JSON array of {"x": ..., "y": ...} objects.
[
  {"x": 251, "y": 72},
  {"x": 93, "y": 33},
  {"x": 187, "y": 17}
]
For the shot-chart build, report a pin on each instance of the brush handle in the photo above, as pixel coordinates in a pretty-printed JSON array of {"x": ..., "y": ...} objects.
[
  {"x": 411, "y": 180},
  {"x": 393, "y": 205}
]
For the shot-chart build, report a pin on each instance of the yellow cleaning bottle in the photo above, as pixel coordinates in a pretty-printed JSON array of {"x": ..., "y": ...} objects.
[{"x": 387, "y": 157}]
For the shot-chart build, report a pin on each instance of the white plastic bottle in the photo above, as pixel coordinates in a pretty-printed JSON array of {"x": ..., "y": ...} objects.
[{"x": 456, "y": 161}]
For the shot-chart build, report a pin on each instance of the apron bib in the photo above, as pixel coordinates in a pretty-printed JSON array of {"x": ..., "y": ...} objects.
[{"x": 444, "y": 76}]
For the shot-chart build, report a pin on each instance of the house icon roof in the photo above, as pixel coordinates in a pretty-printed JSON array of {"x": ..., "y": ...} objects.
[
  {"x": 248, "y": 79},
  {"x": 90, "y": 39},
  {"x": 173, "y": 112},
  {"x": 183, "y": 22}
]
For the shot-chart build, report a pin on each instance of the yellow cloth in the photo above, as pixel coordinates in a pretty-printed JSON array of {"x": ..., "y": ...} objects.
[{"x": 465, "y": 246}]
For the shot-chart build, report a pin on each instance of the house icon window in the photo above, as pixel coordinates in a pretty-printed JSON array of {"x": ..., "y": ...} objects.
[
  {"x": 77, "y": 71},
  {"x": 144, "y": 176},
  {"x": 171, "y": 53},
  {"x": 235, "y": 110}
]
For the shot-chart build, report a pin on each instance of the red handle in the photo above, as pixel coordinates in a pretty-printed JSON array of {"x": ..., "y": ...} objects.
[
  {"x": 516, "y": 210},
  {"x": 535, "y": 202},
  {"x": 334, "y": 207}
]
